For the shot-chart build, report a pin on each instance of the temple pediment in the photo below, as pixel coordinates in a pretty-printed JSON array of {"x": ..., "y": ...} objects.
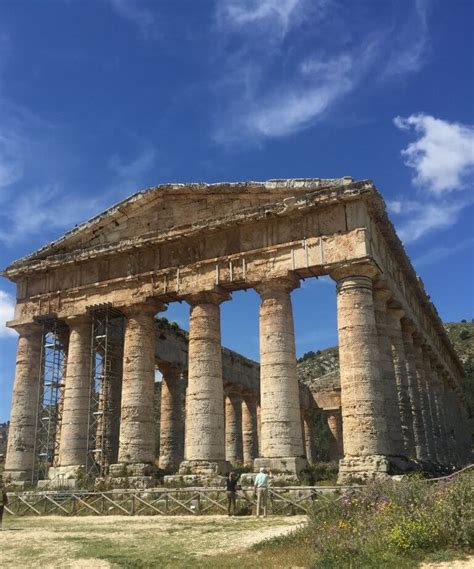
[{"x": 166, "y": 207}]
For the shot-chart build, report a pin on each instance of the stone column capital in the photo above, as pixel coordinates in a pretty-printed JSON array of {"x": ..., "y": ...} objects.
[
  {"x": 395, "y": 310},
  {"x": 169, "y": 371},
  {"x": 78, "y": 320},
  {"x": 382, "y": 292},
  {"x": 232, "y": 391},
  {"x": 27, "y": 329},
  {"x": 365, "y": 269},
  {"x": 285, "y": 284},
  {"x": 250, "y": 394},
  {"x": 408, "y": 326},
  {"x": 216, "y": 296},
  {"x": 150, "y": 306}
]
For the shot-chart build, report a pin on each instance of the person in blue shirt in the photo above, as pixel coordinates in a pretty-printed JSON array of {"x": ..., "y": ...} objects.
[{"x": 261, "y": 488}]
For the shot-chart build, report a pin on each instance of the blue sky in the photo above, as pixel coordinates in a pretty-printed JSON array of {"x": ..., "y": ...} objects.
[{"x": 101, "y": 98}]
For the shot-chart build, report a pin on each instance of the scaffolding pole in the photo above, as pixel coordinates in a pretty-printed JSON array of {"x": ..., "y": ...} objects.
[
  {"x": 105, "y": 389},
  {"x": 50, "y": 396}
]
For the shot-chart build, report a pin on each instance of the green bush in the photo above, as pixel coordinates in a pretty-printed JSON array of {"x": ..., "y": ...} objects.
[{"x": 373, "y": 526}]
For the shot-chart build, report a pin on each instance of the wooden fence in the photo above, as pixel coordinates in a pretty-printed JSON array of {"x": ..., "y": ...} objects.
[{"x": 164, "y": 502}]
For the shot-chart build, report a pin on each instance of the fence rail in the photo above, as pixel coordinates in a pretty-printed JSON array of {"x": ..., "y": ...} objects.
[{"x": 164, "y": 502}]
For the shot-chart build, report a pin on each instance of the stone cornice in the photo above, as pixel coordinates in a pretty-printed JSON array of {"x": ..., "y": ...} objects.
[{"x": 324, "y": 196}]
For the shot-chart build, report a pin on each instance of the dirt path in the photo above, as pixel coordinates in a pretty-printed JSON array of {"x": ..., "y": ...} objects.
[{"x": 459, "y": 564}]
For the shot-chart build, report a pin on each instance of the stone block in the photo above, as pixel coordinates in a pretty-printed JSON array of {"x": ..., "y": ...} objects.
[{"x": 293, "y": 465}]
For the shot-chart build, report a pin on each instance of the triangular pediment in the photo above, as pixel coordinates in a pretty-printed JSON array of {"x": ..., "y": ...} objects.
[{"x": 166, "y": 207}]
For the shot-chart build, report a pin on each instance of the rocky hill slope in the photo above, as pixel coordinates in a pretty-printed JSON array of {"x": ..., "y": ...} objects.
[{"x": 317, "y": 364}]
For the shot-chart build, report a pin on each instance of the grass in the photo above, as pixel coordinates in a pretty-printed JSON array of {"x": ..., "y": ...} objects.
[
  {"x": 387, "y": 525},
  {"x": 138, "y": 542},
  {"x": 390, "y": 525}
]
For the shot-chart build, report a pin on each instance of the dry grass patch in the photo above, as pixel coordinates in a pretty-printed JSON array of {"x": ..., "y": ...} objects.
[{"x": 141, "y": 542}]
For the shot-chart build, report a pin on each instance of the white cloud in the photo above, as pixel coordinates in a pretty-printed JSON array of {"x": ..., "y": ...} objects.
[
  {"x": 435, "y": 255},
  {"x": 443, "y": 155},
  {"x": 139, "y": 15},
  {"x": 418, "y": 218},
  {"x": 42, "y": 210},
  {"x": 315, "y": 86},
  {"x": 133, "y": 169},
  {"x": 408, "y": 50},
  {"x": 50, "y": 208},
  {"x": 280, "y": 15},
  {"x": 11, "y": 170},
  {"x": 272, "y": 86},
  {"x": 7, "y": 307}
]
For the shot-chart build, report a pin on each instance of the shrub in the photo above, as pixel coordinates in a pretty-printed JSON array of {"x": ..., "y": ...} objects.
[{"x": 393, "y": 518}]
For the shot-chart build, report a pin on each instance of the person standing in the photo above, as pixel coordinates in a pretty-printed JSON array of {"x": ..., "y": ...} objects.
[
  {"x": 231, "y": 493},
  {"x": 261, "y": 487},
  {"x": 3, "y": 501}
]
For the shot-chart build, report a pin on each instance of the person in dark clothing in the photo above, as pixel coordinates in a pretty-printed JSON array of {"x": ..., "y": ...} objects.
[
  {"x": 232, "y": 487},
  {"x": 3, "y": 501}
]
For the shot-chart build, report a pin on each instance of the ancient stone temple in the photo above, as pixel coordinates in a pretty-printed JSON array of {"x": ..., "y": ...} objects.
[{"x": 90, "y": 341}]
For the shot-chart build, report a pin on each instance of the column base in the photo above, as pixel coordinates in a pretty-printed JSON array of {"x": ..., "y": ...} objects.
[
  {"x": 137, "y": 475},
  {"x": 359, "y": 469},
  {"x": 62, "y": 477},
  {"x": 292, "y": 464},
  {"x": 205, "y": 467},
  {"x": 194, "y": 480},
  {"x": 17, "y": 477}
]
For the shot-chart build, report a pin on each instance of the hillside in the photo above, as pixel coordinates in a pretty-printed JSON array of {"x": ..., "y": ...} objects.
[
  {"x": 461, "y": 335},
  {"x": 316, "y": 364}
]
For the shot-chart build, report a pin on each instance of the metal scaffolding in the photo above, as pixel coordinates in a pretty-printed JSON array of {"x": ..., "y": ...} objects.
[
  {"x": 105, "y": 389},
  {"x": 50, "y": 396}
]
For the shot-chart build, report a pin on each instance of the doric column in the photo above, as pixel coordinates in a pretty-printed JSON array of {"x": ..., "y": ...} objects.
[
  {"x": 20, "y": 459},
  {"x": 394, "y": 315},
  {"x": 390, "y": 390},
  {"x": 249, "y": 427},
  {"x": 408, "y": 330},
  {"x": 427, "y": 449},
  {"x": 367, "y": 437},
  {"x": 205, "y": 434},
  {"x": 259, "y": 428},
  {"x": 63, "y": 336},
  {"x": 438, "y": 393},
  {"x": 76, "y": 408},
  {"x": 233, "y": 428},
  {"x": 334, "y": 422},
  {"x": 308, "y": 420},
  {"x": 430, "y": 412},
  {"x": 171, "y": 421},
  {"x": 450, "y": 416},
  {"x": 458, "y": 427},
  {"x": 281, "y": 436},
  {"x": 137, "y": 429},
  {"x": 433, "y": 391}
]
